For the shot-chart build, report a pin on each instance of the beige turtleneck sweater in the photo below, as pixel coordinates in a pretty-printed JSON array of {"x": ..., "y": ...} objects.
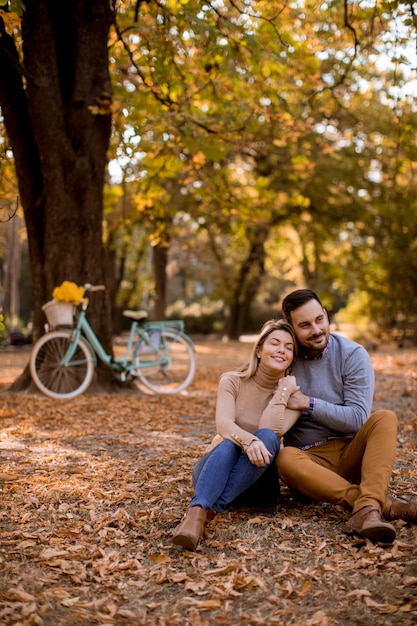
[{"x": 244, "y": 406}]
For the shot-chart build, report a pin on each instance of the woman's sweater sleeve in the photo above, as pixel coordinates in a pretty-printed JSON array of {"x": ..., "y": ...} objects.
[
  {"x": 226, "y": 426},
  {"x": 276, "y": 416}
]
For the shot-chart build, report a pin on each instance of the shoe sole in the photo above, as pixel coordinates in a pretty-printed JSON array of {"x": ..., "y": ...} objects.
[
  {"x": 184, "y": 541},
  {"x": 374, "y": 534},
  {"x": 378, "y": 534}
]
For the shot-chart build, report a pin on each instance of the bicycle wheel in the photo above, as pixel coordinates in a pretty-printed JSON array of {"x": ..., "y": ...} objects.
[
  {"x": 167, "y": 368},
  {"x": 54, "y": 378}
]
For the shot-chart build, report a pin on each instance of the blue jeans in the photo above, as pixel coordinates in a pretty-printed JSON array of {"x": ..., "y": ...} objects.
[{"x": 226, "y": 473}]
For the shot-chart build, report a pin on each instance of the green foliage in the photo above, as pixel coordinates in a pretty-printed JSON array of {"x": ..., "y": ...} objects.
[
  {"x": 266, "y": 147},
  {"x": 356, "y": 315},
  {"x": 205, "y": 317},
  {"x": 13, "y": 6},
  {"x": 245, "y": 133},
  {"x": 2, "y": 326}
]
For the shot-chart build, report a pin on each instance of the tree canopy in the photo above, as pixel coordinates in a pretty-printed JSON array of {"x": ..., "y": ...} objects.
[{"x": 255, "y": 146}]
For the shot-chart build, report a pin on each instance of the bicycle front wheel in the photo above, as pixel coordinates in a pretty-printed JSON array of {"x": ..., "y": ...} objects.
[
  {"x": 54, "y": 377},
  {"x": 167, "y": 368}
]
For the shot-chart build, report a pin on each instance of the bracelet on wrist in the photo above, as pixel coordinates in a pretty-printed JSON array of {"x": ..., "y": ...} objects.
[{"x": 311, "y": 405}]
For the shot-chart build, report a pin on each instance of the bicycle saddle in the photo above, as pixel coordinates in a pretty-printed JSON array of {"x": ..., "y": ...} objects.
[{"x": 138, "y": 316}]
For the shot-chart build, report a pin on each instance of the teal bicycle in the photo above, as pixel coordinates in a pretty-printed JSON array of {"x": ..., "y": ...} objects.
[{"x": 158, "y": 354}]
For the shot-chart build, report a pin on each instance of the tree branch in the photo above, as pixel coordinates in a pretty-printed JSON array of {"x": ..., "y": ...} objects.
[
  {"x": 10, "y": 215},
  {"x": 349, "y": 25}
]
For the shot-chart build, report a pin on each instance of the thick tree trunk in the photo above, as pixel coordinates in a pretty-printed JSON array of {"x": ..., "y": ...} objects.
[{"x": 56, "y": 110}]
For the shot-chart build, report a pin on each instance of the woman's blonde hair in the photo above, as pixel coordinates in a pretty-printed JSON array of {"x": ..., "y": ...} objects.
[{"x": 249, "y": 369}]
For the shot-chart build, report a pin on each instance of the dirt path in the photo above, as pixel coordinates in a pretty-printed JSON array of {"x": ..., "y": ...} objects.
[{"x": 12, "y": 363}]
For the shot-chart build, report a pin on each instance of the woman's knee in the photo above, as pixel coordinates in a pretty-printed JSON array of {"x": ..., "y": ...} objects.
[
  {"x": 224, "y": 450},
  {"x": 269, "y": 438},
  {"x": 226, "y": 446}
]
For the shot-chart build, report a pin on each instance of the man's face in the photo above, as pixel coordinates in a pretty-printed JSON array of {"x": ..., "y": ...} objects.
[{"x": 311, "y": 326}]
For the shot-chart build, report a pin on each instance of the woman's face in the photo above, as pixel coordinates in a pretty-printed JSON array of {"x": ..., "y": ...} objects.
[{"x": 277, "y": 352}]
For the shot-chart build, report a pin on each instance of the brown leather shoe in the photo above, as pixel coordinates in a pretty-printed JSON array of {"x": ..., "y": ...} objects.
[
  {"x": 189, "y": 532},
  {"x": 211, "y": 515},
  {"x": 402, "y": 508},
  {"x": 368, "y": 523}
]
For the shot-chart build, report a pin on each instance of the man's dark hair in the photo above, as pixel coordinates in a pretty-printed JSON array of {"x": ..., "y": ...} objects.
[{"x": 296, "y": 299}]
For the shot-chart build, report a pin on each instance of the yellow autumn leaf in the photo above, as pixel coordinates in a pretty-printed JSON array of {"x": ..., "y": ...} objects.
[
  {"x": 255, "y": 520},
  {"x": 70, "y": 601},
  {"x": 306, "y": 587},
  {"x": 208, "y": 605},
  {"x": 161, "y": 558},
  {"x": 11, "y": 21}
]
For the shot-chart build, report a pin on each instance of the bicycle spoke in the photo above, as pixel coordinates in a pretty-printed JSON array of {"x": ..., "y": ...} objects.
[
  {"x": 168, "y": 367},
  {"x": 53, "y": 374}
]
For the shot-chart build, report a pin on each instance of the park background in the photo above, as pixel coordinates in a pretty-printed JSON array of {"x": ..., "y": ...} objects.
[
  {"x": 211, "y": 158},
  {"x": 200, "y": 159}
]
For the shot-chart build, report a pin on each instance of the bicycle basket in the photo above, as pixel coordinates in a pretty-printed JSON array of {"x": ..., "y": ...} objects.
[{"x": 59, "y": 313}]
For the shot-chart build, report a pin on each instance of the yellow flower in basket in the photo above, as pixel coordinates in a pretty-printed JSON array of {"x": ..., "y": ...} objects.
[{"x": 68, "y": 292}]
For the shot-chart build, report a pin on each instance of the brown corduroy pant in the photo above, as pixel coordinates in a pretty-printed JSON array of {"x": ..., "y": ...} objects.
[{"x": 351, "y": 472}]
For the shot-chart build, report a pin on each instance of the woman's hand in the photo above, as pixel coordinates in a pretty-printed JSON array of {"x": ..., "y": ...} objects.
[
  {"x": 258, "y": 454},
  {"x": 287, "y": 383}
]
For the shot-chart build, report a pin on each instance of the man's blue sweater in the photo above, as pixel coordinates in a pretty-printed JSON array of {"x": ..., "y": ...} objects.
[{"x": 342, "y": 382}]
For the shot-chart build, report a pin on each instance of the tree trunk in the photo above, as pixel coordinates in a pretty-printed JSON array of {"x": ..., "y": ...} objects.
[
  {"x": 56, "y": 109},
  {"x": 249, "y": 282},
  {"x": 11, "y": 301},
  {"x": 160, "y": 260}
]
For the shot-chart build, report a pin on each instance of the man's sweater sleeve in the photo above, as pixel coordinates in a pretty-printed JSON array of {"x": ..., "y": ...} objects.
[{"x": 358, "y": 389}]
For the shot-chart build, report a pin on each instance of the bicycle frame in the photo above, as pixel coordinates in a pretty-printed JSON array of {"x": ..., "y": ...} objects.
[{"x": 122, "y": 365}]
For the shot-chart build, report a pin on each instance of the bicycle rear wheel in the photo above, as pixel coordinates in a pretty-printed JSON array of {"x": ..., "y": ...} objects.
[
  {"x": 49, "y": 373},
  {"x": 170, "y": 367}
]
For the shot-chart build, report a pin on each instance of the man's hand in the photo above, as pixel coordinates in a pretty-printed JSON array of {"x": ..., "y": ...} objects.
[{"x": 299, "y": 401}]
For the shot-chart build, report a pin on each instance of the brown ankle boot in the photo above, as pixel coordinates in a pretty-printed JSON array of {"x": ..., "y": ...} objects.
[
  {"x": 189, "y": 532},
  {"x": 402, "y": 508},
  {"x": 367, "y": 522}
]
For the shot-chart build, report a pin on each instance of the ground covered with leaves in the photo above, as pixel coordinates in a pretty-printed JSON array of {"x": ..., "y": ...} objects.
[{"x": 91, "y": 490}]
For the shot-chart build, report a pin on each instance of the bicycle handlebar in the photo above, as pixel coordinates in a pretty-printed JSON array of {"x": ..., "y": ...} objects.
[{"x": 89, "y": 287}]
